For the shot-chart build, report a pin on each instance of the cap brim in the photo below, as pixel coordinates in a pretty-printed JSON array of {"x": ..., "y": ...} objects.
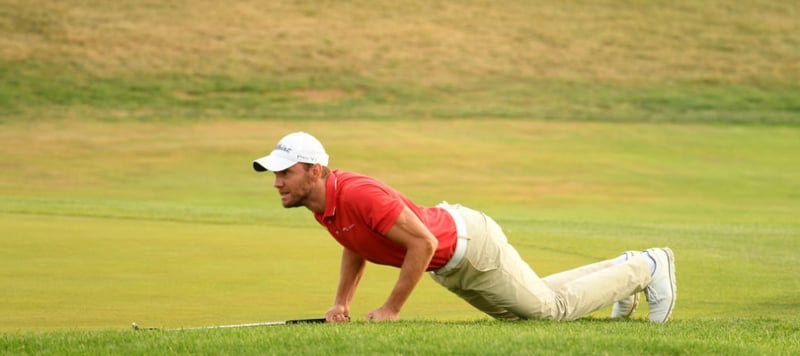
[{"x": 272, "y": 163}]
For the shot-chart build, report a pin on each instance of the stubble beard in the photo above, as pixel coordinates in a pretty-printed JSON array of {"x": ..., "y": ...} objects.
[
  {"x": 299, "y": 201},
  {"x": 294, "y": 203}
]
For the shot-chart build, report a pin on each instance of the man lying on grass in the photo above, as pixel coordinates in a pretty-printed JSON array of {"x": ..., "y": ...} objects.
[{"x": 463, "y": 250}]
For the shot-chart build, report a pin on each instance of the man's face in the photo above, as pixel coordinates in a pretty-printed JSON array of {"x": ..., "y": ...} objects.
[{"x": 294, "y": 185}]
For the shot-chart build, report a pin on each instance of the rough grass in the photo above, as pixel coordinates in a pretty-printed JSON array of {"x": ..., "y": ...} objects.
[
  {"x": 416, "y": 41},
  {"x": 588, "y": 60}
]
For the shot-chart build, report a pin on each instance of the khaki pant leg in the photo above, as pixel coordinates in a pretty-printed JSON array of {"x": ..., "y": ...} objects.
[
  {"x": 494, "y": 278},
  {"x": 557, "y": 280},
  {"x": 601, "y": 288},
  {"x": 478, "y": 301}
]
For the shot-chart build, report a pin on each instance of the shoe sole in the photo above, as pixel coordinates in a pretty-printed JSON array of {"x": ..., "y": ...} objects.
[{"x": 672, "y": 284}]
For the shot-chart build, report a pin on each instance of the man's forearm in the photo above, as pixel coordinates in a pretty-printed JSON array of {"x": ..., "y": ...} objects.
[
  {"x": 416, "y": 262},
  {"x": 352, "y": 269},
  {"x": 420, "y": 246}
]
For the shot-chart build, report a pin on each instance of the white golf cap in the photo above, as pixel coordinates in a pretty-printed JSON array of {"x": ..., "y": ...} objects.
[{"x": 291, "y": 149}]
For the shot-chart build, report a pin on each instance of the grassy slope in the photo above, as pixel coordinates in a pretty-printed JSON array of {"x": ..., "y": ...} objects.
[{"x": 654, "y": 60}]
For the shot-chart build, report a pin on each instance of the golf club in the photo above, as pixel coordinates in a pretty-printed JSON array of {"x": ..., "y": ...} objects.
[{"x": 136, "y": 326}]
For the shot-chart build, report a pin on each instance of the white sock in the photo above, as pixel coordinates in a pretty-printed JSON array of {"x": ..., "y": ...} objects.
[
  {"x": 621, "y": 259},
  {"x": 651, "y": 262}
]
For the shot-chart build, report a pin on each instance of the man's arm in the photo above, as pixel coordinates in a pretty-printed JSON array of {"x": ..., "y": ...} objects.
[
  {"x": 420, "y": 244},
  {"x": 351, "y": 271}
]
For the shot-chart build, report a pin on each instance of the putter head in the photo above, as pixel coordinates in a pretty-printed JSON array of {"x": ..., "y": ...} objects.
[{"x": 135, "y": 326}]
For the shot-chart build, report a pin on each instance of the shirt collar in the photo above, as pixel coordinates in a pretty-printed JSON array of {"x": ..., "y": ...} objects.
[{"x": 331, "y": 194}]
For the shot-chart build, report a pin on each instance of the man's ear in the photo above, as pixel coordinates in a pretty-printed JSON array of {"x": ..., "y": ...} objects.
[{"x": 317, "y": 170}]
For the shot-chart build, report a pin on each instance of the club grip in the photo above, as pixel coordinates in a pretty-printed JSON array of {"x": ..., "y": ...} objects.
[{"x": 306, "y": 321}]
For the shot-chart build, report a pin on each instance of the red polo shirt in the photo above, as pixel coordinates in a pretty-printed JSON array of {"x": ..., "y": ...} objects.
[{"x": 360, "y": 210}]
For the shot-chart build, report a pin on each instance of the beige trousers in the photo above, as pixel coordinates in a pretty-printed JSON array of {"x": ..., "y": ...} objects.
[{"x": 493, "y": 278}]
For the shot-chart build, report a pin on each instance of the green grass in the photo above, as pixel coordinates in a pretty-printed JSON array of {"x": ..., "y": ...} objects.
[
  {"x": 148, "y": 97},
  {"x": 709, "y": 337}
]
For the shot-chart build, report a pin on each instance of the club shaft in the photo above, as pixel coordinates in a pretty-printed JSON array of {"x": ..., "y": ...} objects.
[
  {"x": 245, "y": 325},
  {"x": 231, "y": 326}
]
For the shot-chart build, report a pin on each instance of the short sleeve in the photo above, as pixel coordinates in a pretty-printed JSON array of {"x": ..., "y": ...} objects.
[{"x": 378, "y": 207}]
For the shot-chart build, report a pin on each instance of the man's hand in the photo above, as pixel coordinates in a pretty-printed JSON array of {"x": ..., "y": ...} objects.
[
  {"x": 352, "y": 269},
  {"x": 383, "y": 314},
  {"x": 337, "y": 314}
]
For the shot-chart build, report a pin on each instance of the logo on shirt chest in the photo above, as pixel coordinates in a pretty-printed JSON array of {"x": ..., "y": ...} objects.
[{"x": 338, "y": 230}]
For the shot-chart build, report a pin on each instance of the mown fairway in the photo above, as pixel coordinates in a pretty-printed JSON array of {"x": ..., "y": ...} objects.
[
  {"x": 127, "y": 131},
  {"x": 163, "y": 224}
]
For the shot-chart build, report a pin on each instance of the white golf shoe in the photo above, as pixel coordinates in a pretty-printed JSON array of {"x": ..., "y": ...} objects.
[
  {"x": 624, "y": 308},
  {"x": 662, "y": 291}
]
